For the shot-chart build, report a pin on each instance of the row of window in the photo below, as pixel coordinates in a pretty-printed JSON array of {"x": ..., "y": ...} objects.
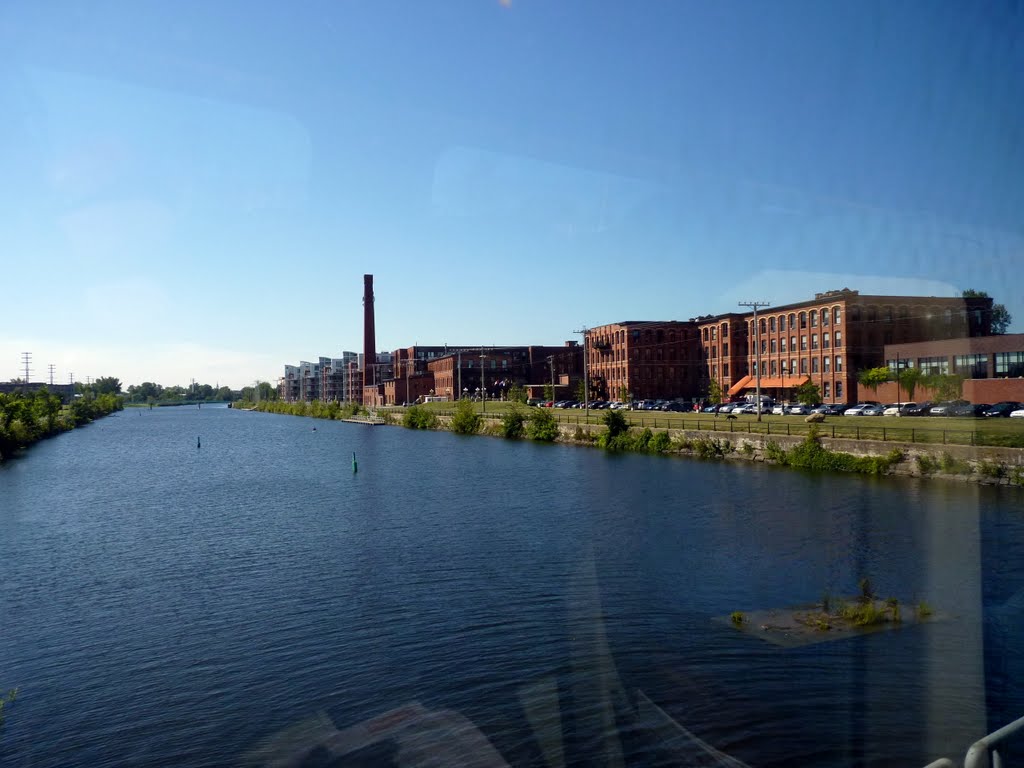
[
  {"x": 779, "y": 345},
  {"x": 806, "y": 365},
  {"x": 1006, "y": 365},
  {"x": 810, "y": 318}
]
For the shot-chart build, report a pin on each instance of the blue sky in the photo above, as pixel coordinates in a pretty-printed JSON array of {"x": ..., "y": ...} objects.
[{"x": 194, "y": 190}]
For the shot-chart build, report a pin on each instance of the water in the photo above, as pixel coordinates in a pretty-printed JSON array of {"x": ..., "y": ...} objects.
[{"x": 163, "y": 604}]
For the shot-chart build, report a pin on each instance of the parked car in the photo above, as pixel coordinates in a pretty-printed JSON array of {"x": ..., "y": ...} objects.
[
  {"x": 1003, "y": 409},
  {"x": 969, "y": 409},
  {"x": 747, "y": 408},
  {"x": 675, "y": 407},
  {"x": 892, "y": 409},
  {"x": 872, "y": 410},
  {"x": 942, "y": 409},
  {"x": 798, "y": 410},
  {"x": 835, "y": 409},
  {"x": 534, "y": 401},
  {"x": 1017, "y": 414},
  {"x": 857, "y": 410},
  {"x": 918, "y": 409}
]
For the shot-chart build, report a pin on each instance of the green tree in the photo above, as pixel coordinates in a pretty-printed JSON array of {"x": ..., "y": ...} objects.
[
  {"x": 908, "y": 379},
  {"x": 1000, "y": 318},
  {"x": 223, "y": 394},
  {"x": 624, "y": 394},
  {"x": 808, "y": 393},
  {"x": 549, "y": 393},
  {"x": 872, "y": 378},
  {"x": 714, "y": 392},
  {"x": 266, "y": 391},
  {"x": 581, "y": 391},
  {"x": 517, "y": 393},
  {"x": 465, "y": 420},
  {"x": 107, "y": 385},
  {"x": 616, "y": 423}
]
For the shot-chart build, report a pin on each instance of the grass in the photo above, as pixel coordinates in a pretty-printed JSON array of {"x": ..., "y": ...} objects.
[{"x": 925, "y": 429}]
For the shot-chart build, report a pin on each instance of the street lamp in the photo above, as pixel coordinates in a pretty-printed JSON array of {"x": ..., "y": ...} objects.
[
  {"x": 483, "y": 386},
  {"x": 586, "y": 372}
]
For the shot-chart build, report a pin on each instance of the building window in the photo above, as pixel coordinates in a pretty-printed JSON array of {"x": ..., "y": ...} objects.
[
  {"x": 839, "y": 366},
  {"x": 782, "y": 344},
  {"x": 814, "y": 341},
  {"x": 933, "y": 365},
  {"x": 725, "y": 369},
  {"x": 782, "y": 322},
  {"x": 771, "y": 323},
  {"x": 773, "y": 346},
  {"x": 814, "y": 318},
  {"x": 714, "y": 333},
  {"x": 1009, "y": 364},
  {"x": 824, "y": 317},
  {"x": 854, "y": 313},
  {"x": 803, "y": 320},
  {"x": 836, "y": 319},
  {"x": 764, "y": 328},
  {"x": 824, "y": 338},
  {"x": 826, "y": 387},
  {"x": 972, "y": 366},
  {"x": 792, "y": 321},
  {"x": 826, "y": 361},
  {"x": 792, "y": 365},
  {"x": 792, "y": 343},
  {"x": 839, "y": 390},
  {"x": 839, "y": 338},
  {"x": 725, "y": 349},
  {"x": 773, "y": 368},
  {"x": 803, "y": 365},
  {"x": 783, "y": 365},
  {"x": 814, "y": 365},
  {"x": 764, "y": 346},
  {"x": 803, "y": 343}
]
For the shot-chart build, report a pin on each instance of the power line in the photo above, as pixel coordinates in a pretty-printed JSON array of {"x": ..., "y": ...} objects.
[{"x": 26, "y": 359}]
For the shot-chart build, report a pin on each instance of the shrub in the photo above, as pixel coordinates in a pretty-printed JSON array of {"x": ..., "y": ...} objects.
[
  {"x": 616, "y": 423},
  {"x": 954, "y": 466},
  {"x": 542, "y": 426},
  {"x": 737, "y": 618},
  {"x": 418, "y": 417},
  {"x": 513, "y": 423},
  {"x": 711, "y": 448},
  {"x": 991, "y": 469},
  {"x": 660, "y": 443},
  {"x": 465, "y": 420},
  {"x": 926, "y": 464},
  {"x": 775, "y": 452}
]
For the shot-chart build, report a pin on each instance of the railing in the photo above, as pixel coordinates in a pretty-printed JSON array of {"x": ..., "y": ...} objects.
[{"x": 983, "y": 753}]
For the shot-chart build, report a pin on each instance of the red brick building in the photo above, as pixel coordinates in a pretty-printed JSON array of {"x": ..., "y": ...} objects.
[
  {"x": 833, "y": 337},
  {"x": 723, "y": 351},
  {"x": 644, "y": 360},
  {"x": 992, "y": 368},
  {"x": 460, "y": 371}
]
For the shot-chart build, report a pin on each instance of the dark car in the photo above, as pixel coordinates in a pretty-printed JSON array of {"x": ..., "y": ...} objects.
[
  {"x": 1004, "y": 409},
  {"x": 919, "y": 409},
  {"x": 968, "y": 409},
  {"x": 673, "y": 407}
]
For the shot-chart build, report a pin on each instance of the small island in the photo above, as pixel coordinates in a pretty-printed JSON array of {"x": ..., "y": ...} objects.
[{"x": 830, "y": 619}]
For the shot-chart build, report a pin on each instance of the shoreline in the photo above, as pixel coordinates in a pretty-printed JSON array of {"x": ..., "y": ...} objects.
[{"x": 980, "y": 465}]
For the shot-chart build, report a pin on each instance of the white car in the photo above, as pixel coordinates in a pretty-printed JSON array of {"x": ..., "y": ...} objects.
[
  {"x": 798, "y": 410},
  {"x": 1018, "y": 414},
  {"x": 891, "y": 410},
  {"x": 857, "y": 410},
  {"x": 779, "y": 410}
]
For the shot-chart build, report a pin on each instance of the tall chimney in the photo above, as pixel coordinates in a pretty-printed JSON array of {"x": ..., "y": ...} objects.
[{"x": 369, "y": 336}]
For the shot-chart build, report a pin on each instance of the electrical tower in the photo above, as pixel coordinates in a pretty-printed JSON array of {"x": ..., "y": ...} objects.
[
  {"x": 26, "y": 360},
  {"x": 51, "y": 366}
]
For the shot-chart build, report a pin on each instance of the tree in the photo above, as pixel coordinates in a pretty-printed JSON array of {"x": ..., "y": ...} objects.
[
  {"x": 266, "y": 391},
  {"x": 616, "y": 423},
  {"x": 1000, "y": 318},
  {"x": 872, "y": 378},
  {"x": 909, "y": 378},
  {"x": 808, "y": 393},
  {"x": 224, "y": 394},
  {"x": 549, "y": 393},
  {"x": 624, "y": 394},
  {"x": 542, "y": 426},
  {"x": 107, "y": 385},
  {"x": 714, "y": 392},
  {"x": 581, "y": 391},
  {"x": 517, "y": 393}
]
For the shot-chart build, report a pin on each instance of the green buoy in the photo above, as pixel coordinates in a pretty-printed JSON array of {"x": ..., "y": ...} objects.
[
  {"x": 355, "y": 467},
  {"x": 199, "y": 443}
]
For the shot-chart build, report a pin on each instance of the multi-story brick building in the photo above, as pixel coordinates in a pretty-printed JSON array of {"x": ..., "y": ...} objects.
[
  {"x": 723, "y": 350},
  {"x": 830, "y": 339},
  {"x": 643, "y": 359},
  {"x": 460, "y": 371}
]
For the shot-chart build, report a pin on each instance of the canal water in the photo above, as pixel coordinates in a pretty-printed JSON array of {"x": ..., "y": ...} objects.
[{"x": 164, "y": 604}]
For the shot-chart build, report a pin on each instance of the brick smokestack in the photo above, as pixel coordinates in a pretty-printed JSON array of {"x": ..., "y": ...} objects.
[{"x": 369, "y": 334}]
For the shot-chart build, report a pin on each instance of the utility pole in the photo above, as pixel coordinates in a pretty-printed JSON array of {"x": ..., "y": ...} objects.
[
  {"x": 483, "y": 384},
  {"x": 26, "y": 360},
  {"x": 551, "y": 362},
  {"x": 459, "y": 393},
  {"x": 757, "y": 346},
  {"x": 586, "y": 372}
]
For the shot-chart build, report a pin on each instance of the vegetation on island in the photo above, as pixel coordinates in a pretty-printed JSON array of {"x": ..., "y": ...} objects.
[{"x": 5, "y": 700}]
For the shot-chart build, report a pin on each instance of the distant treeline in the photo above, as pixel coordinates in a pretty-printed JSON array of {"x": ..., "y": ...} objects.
[
  {"x": 316, "y": 409},
  {"x": 28, "y": 417}
]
